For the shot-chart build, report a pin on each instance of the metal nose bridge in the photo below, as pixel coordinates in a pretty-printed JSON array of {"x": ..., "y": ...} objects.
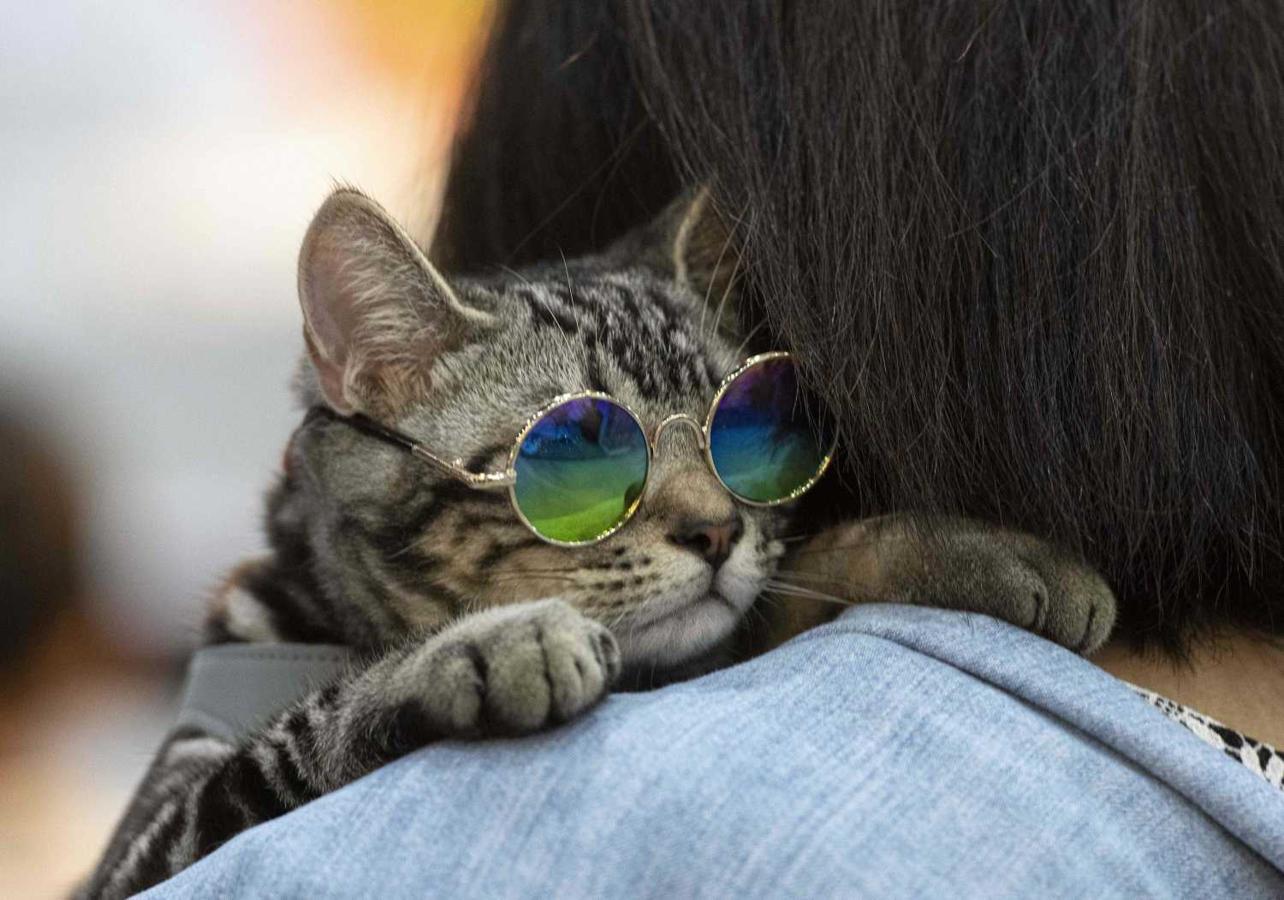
[{"x": 678, "y": 419}]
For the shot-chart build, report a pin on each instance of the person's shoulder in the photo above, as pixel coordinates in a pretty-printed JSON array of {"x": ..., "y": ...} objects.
[{"x": 897, "y": 751}]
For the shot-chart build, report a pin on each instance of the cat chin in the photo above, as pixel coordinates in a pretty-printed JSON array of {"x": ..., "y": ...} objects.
[
  {"x": 692, "y": 628},
  {"x": 681, "y": 635}
]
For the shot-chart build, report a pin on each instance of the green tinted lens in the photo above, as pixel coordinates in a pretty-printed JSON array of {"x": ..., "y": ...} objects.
[
  {"x": 762, "y": 440},
  {"x": 580, "y": 470}
]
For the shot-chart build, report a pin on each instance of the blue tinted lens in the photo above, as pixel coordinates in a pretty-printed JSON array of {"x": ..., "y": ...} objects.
[
  {"x": 768, "y": 445},
  {"x": 580, "y": 470}
]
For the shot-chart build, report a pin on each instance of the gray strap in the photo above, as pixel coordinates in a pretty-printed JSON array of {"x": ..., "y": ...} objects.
[{"x": 233, "y": 689}]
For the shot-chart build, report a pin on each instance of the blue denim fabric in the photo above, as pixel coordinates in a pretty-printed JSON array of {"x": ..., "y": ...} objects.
[{"x": 897, "y": 752}]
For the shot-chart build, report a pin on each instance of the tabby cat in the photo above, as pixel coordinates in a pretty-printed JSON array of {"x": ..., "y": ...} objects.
[{"x": 467, "y": 624}]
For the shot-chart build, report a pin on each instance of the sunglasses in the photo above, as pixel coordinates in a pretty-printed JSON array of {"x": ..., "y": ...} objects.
[{"x": 577, "y": 471}]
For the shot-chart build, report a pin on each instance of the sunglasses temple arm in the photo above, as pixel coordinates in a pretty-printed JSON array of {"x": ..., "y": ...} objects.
[
  {"x": 478, "y": 480},
  {"x": 454, "y": 468}
]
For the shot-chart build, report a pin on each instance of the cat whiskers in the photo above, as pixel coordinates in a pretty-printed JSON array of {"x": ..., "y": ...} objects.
[
  {"x": 795, "y": 538},
  {"x": 756, "y": 611},
  {"x": 619, "y": 618},
  {"x": 837, "y": 548},
  {"x": 816, "y": 578},
  {"x": 791, "y": 590}
]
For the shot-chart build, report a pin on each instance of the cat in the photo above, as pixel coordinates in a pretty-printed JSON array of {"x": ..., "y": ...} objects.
[{"x": 467, "y": 624}]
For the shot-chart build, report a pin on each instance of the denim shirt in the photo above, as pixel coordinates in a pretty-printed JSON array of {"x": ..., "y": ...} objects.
[{"x": 896, "y": 752}]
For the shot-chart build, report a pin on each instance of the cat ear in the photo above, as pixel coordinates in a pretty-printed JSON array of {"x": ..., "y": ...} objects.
[
  {"x": 704, "y": 254},
  {"x": 692, "y": 243},
  {"x": 376, "y": 314}
]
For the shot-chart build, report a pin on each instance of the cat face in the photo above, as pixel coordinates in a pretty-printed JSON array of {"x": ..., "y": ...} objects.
[{"x": 461, "y": 366}]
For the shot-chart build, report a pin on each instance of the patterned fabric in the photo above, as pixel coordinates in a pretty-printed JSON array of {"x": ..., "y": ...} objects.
[{"x": 1261, "y": 759}]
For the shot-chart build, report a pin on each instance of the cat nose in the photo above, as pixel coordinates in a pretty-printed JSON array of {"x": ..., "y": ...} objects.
[{"x": 712, "y": 540}]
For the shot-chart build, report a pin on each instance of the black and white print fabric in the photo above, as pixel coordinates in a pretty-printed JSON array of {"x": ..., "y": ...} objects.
[{"x": 1260, "y": 758}]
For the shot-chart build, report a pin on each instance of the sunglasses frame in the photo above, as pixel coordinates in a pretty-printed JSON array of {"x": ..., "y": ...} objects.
[
  {"x": 458, "y": 470},
  {"x": 517, "y": 449},
  {"x": 706, "y": 433}
]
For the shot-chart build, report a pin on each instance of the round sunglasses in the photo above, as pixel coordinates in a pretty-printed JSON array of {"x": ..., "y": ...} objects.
[{"x": 578, "y": 469}]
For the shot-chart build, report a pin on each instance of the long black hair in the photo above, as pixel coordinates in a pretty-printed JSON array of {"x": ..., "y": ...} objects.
[{"x": 1031, "y": 253}]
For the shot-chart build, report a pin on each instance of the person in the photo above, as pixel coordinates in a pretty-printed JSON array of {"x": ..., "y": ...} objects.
[{"x": 1032, "y": 257}]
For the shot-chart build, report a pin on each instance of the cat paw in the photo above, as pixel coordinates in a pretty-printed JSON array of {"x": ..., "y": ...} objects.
[
  {"x": 516, "y": 669},
  {"x": 1077, "y": 608},
  {"x": 1039, "y": 587},
  {"x": 959, "y": 564}
]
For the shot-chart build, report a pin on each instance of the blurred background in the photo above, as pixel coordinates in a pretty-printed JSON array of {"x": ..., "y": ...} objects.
[{"x": 161, "y": 162}]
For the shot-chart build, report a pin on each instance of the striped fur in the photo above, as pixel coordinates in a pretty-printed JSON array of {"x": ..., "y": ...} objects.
[
  {"x": 440, "y": 588},
  {"x": 468, "y": 625}
]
